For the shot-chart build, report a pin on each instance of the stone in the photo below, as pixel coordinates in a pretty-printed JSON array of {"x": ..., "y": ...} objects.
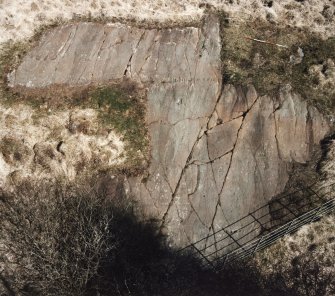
[
  {"x": 222, "y": 138},
  {"x": 217, "y": 151}
]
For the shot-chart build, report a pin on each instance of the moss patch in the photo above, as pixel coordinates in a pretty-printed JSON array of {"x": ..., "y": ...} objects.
[
  {"x": 268, "y": 66},
  {"x": 124, "y": 110}
]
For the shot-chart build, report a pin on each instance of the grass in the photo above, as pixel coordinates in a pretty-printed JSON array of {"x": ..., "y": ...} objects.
[
  {"x": 240, "y": 66},
  {"x": 12, "y": 150},
  {"x": 124, "y": 110}
]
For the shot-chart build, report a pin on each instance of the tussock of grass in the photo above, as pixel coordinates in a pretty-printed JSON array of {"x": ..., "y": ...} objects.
[{"x": 12, "y": 150}]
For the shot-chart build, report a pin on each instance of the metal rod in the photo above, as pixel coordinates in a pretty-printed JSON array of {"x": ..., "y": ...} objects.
[{"x": 209, "y": 262}]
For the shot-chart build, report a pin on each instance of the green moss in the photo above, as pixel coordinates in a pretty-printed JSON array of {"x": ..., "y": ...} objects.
[
  {"x": 268, "y": 66},
  {"x": 124, "y": 111}
]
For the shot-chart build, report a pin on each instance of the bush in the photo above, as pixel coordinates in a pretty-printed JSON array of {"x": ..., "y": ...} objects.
[
  {"x": 62, "y": 240},
  {"x": 55, "y": 240}
]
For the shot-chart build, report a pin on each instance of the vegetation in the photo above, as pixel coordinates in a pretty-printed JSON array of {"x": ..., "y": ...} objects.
[
  {"x": 124, "y": 110},
  {"x": 65, "y": 241},
  {"x": 305, "y": 260},
  {"x": 58, "y": 239},
  {"x": 62, "y": 240},
  {"x": 13, "y": 150},
  {"x": 268, "y": 66}
]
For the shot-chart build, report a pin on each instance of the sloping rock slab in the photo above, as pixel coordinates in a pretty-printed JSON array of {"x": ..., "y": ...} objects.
[{"x": 217, "y": 152}]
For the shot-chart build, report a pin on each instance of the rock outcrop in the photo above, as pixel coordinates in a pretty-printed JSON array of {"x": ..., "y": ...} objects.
[{"x": 217, "y": 151}]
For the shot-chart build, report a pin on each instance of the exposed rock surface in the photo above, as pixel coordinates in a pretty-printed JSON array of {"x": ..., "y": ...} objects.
[{"x": 217, "y": 151}]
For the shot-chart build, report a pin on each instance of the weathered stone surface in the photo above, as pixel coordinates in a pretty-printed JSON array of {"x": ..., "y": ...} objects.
[
  {"x": 216, "y": 152},
  {"x": 222, "y": 138}
]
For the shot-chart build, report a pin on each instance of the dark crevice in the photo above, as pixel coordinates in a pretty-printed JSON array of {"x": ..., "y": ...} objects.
[
  {"x": 58, "y": 147},
  {"x": 325, "y": 148},
  {"x": 100, "y": 49},
  {"x": 233, "y": 150},
  {"x": 174, "y": 192},
  {"x": 128, "y": 67}
]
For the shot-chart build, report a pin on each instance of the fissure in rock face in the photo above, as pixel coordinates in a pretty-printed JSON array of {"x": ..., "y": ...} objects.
[{"x": 217, "y": 151}]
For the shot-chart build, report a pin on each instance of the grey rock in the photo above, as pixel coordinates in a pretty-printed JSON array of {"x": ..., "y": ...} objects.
[{"x": 217, "y": 153}]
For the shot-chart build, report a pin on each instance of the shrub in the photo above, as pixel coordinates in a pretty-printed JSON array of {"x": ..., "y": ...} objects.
[
  {"x": 55, "y": 240},
  {"x": 63, "y": 240}
]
